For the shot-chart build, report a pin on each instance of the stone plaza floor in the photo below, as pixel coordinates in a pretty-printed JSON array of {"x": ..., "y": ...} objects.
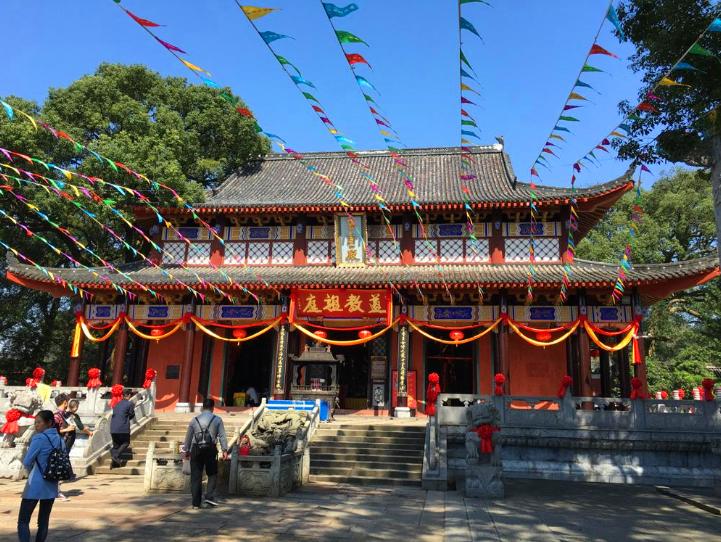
[{"x": 114, "y": 508}]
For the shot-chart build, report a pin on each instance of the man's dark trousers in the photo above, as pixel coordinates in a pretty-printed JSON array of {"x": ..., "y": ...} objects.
[
  {"x": 205, "y": 458},
  {"x": 121, "y": 442}
]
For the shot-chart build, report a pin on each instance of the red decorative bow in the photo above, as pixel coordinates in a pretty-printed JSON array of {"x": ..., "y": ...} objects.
[
  {"x": 150, "y": 375},
  {"x": 486, "y": 431},
  {"x": 94, "y": 378}
]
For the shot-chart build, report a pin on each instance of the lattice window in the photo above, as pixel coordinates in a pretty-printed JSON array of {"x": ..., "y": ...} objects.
[
  {"x": 199, "y": 253},
  {"x": 451, "y": 250},
  {"x": 319, "y": 251},
  {"x": 547, "y": 249},
  {"x": 282, "y": 253},
  {"x": 424, "y": 253},
  {"x": 174, "y": 253},
  {"x": 388, "y": 252},
  {"x": 258, "y": 253},
  {"x": 517, "y": 249},
  {"x": 477, "y": 251},
  {"x": 235, "y": 253}
]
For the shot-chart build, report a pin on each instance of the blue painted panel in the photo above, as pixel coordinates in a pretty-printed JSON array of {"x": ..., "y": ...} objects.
[
  {"x": 258, "y": 233},
  {"x": 452, "y": 313},
  {"x": 157, "y": 311},
  {"x": 237, "y": 311},
  {"x": 524, "y": 228},
  {"x": 609, "y": 314},
  {"x": 542, "y": 313},
  {"x": 450, "y": 230},
  {"x": 102, "y": 311},
  {"x": 190, "y": 233}
]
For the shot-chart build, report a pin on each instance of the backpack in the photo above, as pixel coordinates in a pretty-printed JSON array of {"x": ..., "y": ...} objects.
[
  {"x": 59, "y": 467},
  {"x": 202, "y": 440}
]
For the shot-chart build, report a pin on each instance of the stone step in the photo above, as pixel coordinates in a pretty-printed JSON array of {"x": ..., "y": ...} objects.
[
  {"x": 360, "y": 455},
  {"x": 125, "y": 471},
  {"x": 363, "y": 445},
  {"x": 342, "y": 433},
  {"x": 381, "y": 441},
  {"x": 135, "y": 462},
  {"x": 322, "y": 465},
  {"x": 381, "y": 428},
  {"x": 368, "y": 473},
  {"x": 364, "y": 480}
]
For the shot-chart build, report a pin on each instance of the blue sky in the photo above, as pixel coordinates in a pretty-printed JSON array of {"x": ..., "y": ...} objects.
[{"x": 529, "y": 58}]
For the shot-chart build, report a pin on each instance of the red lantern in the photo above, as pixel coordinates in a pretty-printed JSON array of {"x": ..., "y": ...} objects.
[
  {"x": 544, "y": 336},
  {"x": 156, "y": 332},
  {"x": 321, "y": 334},
  {"x": 456, "y": 335},
  {"x": 240, "y": 333},
  {"x": 364, "y": 333}
]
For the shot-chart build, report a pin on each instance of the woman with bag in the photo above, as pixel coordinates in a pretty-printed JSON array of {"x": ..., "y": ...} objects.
[{"x": 38, "y": 488}]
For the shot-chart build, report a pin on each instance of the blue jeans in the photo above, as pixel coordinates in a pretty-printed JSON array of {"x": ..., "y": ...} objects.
[{"x": 27, "y": 507}]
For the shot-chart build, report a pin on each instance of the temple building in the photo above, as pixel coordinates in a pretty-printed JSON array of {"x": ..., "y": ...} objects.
[{"x": 280, "y": 266}]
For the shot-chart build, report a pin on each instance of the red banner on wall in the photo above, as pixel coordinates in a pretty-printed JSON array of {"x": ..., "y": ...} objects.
[
  {"x": 342, "y": 303},
  {"x": 410, "y": 386}
]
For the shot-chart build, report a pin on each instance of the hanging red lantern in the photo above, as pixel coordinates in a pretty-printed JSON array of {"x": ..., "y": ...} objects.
[
  {"x": 321, "y": 334},
  {"x": 156, "y": 332},
  {"x": 364, "y": 333},
  {"x": 240, "y": 333},
  {"x": 456, "y": 335},
  {"x": 544, "y": 336}
]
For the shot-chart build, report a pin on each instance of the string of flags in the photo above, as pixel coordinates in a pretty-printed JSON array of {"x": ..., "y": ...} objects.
[
  {"x": 62, "y": 189},
  {"x": 558, "y": 134},
  {"x": 390, "y": 136},
  {"x": 683, "y": 68},
  {"x": 468, "y": 127},
  {"x": 75, "y": 290},
  {"x": 575, "y": 99},
  {"x": 155, "y": 186},
  {"x": 303, "y": 85},
  {"x": 624, "y": 264},
  {"x": 56, "y": 188}
]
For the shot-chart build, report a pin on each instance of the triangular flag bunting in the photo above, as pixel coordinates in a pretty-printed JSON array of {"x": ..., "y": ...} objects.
[
  {"x": 598, "y": 50},
  {"x": 140, "y": 20},
  {"x": 466, "y": 25},
  {"x": 254, "y": 13}
]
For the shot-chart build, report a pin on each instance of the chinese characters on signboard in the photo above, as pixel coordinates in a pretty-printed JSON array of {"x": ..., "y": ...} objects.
[
  {"x": 350, "y": 238},
  {"x": 339, "y": 303}
]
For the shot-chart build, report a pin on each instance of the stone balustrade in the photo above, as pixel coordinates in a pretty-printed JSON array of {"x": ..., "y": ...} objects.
[
  {"x": 95, "y": 412},
  {"x": 584, "y": 438}
]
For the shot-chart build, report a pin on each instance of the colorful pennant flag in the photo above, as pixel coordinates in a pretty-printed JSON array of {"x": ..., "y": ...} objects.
[
  {"x": 141, "y": 21},
  {"x": 170, "y": 46},
  {"x": 254, "y": 13},
  {"x": 270, "y": 37},
  {"x": 335, "y": 11},
  {"x": 612, "y": 16},
  {"x": 466, "y": 25},
  {"x": 355, "y": 58},
  {"x": 348, "y": 37}
]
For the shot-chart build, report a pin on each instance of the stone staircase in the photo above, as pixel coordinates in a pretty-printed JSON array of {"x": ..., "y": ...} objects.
[
  {"x": 162, "y": 431},
  {"x": 366, "y": 454}
]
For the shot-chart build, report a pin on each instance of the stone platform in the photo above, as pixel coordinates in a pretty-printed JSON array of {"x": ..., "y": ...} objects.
[{"x": 114, "y": 508}]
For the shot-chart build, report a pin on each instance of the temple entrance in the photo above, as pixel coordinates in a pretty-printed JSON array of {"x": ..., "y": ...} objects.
[
  {"x": 354, "y": 375},
  {"x": 454, "y": 365},
  {"x": 248, "y": 365}
]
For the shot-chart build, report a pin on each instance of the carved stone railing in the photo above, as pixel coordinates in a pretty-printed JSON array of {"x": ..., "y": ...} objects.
[
  {"x": 95, "y": 412},
  {"x": 276, "y": 474},
  {"x": 584, "y": 438},
  {"x": 164, "y": 469}
]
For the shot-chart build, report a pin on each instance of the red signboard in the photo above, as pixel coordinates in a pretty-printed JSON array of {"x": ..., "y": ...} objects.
[{"x": 341, "y": 303}]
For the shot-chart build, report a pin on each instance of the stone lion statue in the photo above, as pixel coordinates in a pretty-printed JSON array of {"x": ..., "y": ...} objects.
[{"x": 477, "y": 416}]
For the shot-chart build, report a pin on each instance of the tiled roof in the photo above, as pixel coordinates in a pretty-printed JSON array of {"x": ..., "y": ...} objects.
[
  {"x": 585, "y": 273},
  {"x": 280, "y": 181}
]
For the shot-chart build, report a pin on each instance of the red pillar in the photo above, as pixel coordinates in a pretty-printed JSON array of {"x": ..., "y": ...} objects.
[
  {"x": 584, "y": 352},
  {"x": 280, "y": 367},
  {"x": 404, "y": 346},
  {"x": 186, "y": 371},
  {"x": 300, "y": 245},
  {"x": 407, "y": 243},
  {"x": 496, "y": 246},
  {"x": 504, "y": 365},
  {"x": 121, "y": 348},
  {"x": 639, "y": 369}
]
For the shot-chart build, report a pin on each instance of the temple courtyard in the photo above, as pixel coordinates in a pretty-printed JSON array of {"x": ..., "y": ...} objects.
[{"x": 111, "y": 507}]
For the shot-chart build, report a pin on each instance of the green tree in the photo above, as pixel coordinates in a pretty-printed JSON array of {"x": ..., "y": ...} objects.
[
  {"x": 686, "y": 128},
  {"x": 183, "y": 135},
  {"x": 678, "y": 224}
]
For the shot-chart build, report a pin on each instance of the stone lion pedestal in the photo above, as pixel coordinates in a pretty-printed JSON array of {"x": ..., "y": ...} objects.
[{"x": 483, "y": 477}]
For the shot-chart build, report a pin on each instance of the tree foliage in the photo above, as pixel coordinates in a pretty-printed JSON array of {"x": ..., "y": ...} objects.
[
  {"x": 684, "y": 331},
  {"x": 182, "y": 135}
]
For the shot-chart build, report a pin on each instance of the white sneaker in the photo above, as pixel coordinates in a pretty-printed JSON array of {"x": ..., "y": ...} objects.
[
  {"x": 210, "y": 502},
  {"x": 62, "y": 497}
]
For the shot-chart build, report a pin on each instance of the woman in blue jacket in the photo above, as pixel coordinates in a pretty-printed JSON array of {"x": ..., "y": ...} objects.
[{"x": 38, "y": 488}]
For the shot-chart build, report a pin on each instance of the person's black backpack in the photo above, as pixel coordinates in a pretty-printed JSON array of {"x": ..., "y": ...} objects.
[
  {"x": 203, "y": 440},
  {"x": 59, "y": 468}
]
